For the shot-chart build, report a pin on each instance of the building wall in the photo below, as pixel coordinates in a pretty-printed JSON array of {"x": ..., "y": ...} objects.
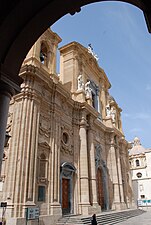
[
  {"x": 65, "y": 154},
  {"x": 141, "y": 174}
]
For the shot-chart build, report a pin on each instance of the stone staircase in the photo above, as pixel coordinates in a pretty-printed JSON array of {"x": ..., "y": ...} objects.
[{"x": 106, "y": 218}]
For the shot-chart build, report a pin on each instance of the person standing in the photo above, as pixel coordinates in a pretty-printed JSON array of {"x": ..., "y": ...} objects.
[{"x": 94, "y": 221}]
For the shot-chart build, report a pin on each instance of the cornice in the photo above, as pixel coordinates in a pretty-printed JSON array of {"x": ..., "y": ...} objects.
[{"x": 86, "y": 58}]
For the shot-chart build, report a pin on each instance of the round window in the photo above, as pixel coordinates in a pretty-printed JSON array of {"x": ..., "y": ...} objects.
[
  {"x": 139, "y": 175},
  {"x": 65, "y": 138}
]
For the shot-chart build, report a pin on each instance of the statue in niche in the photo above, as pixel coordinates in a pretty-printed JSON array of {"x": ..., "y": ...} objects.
[
  {"x": 80, "y": 83},
  {"x": 108, "y": 110},
  {"x": 98, "y": 155},
  {"x": 88, "y": 90},
  {"x": 113, "y": 114}
]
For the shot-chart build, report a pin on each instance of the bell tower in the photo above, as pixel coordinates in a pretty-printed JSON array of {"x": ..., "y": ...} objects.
[{"x": 43, "y": 52}]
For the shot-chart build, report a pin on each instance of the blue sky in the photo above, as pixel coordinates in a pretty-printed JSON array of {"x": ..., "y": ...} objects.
[{"x": 119, "y": 36}]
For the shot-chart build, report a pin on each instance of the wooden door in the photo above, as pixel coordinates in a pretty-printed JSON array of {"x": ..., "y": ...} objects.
[
  {"x": 100, "y": 188},
  {"x": 65, "y": 196}
]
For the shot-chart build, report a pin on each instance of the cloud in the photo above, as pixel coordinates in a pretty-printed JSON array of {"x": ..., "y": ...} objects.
[
  {"x": 143, "y": 116},
  {"x": 135, "y": 130}
]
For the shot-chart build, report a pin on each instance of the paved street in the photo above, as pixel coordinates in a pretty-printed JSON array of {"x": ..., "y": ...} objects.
[{"x": 143, "y": 219}]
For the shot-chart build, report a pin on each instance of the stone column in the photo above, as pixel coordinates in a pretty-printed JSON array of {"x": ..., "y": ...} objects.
[
  {"x": 76, "y": 142},
  {"x": 120, "y": 177},
  {"x": 32, "y": 149},
  {"x": 91, "y": 150},
  {"x": 55, "y": 204},
  {"x": 114, "y": 171},
  {"x": 103, "y": 98},
  {"x": 128, "y": 189},
  {"x": 6, "y": 92},
  {"x": 98, "y": 104},
  {"x": 124, "y": 173},
  {"x": 84, "y": 182},
  {"x": 24, "y": 147}
]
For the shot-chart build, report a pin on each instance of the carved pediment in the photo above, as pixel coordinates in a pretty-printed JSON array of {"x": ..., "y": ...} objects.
[{"x": 44, "y": 145}]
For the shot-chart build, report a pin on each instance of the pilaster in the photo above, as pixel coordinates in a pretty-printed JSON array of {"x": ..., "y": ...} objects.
[
  {"x": 103, "y": 98},
  {"x": 25, "y": 150},
  {"x": 55, "y": 200},
  {"x": 84, "y": 182},
  {"x": 93, "y": 186},
  {"x": 114, "y": 174},
  {"x": 120, "y": 176}
]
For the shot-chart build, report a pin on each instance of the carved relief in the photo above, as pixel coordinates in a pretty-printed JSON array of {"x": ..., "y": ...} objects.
[
  {"x": 98, "y": 151},
  {"x": 66, "y": 108},
  {"x": 43, "y": 156},
  {"x": 80, "y": 82},
  {"x": 98, "y": 157},
  {"x": 9, "y": 122},
  {"x": 44, "y": 146},
  {"x": 99, "y": 135},
  {"x": 44, "y": 126},
  {"x": 66, "y": 141}
]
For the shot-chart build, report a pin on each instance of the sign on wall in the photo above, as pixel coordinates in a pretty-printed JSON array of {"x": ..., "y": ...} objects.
[
  {"x": 144, "y": 202},
  {"x": 32, "y": 213}
]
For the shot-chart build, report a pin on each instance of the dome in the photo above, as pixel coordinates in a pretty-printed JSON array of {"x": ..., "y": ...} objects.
[
  {"x": 137, "y": 147},
  {"x": 137, "y": 141}
]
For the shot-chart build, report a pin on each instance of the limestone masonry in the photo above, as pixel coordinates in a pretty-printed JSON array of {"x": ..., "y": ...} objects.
[{"x": 67, "y": 153}]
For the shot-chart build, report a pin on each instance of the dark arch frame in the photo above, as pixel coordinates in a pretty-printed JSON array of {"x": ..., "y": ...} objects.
[
  {"x": 20, "y": 19},
  {"x": 21, "y": 23}
]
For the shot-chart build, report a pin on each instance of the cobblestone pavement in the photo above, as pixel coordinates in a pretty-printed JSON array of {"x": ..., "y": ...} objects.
[{"x": 143, "y": 219}]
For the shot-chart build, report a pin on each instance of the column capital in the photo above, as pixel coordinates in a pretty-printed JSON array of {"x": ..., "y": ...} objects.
[
  {"x": 6, "y": 89},
  {"x": 83, "y": 122},
  {"x": 9, "y": 78},
  {"x": 91, "y": 123}
]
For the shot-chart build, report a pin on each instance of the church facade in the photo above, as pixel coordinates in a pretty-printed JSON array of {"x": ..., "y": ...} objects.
[{"x": 67, "y": 153}]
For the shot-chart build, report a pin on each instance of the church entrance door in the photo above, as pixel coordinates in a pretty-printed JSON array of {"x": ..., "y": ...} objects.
[
  {"x": 65, "y": 196},
  {"x": 100, "y": 188}
]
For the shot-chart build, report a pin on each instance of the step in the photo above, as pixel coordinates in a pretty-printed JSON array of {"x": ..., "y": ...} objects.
[{"x": 106, "y": 218}]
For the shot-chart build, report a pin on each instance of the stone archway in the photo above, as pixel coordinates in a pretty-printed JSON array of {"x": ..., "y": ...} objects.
[
  {"x": 102, "y": 188},
  {"x": 102, "y": 179},
  {"x": 66, "y": 187}
]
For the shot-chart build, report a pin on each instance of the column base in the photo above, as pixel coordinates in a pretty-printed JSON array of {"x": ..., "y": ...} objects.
[
  {"x": 119, "y": 206},
  {"x": 55, "y": 209},
  {"x": 131, "y": 205},
  {"x": 95, "y": 209},
  {"x": 84, "y": 208}
]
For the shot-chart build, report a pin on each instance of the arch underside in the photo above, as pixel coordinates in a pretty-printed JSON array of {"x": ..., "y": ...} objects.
[{"x": 22, "y": 23}]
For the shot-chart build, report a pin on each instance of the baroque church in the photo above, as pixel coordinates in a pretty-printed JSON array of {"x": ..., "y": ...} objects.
[{"x": 67, "y": 153}]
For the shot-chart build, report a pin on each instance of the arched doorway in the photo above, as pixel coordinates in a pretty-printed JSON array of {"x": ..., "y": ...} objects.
[
  {"x": 66, "y": 187},
  {"x": 100, "y": 190},
  {"x": 102, "y": 179}
]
